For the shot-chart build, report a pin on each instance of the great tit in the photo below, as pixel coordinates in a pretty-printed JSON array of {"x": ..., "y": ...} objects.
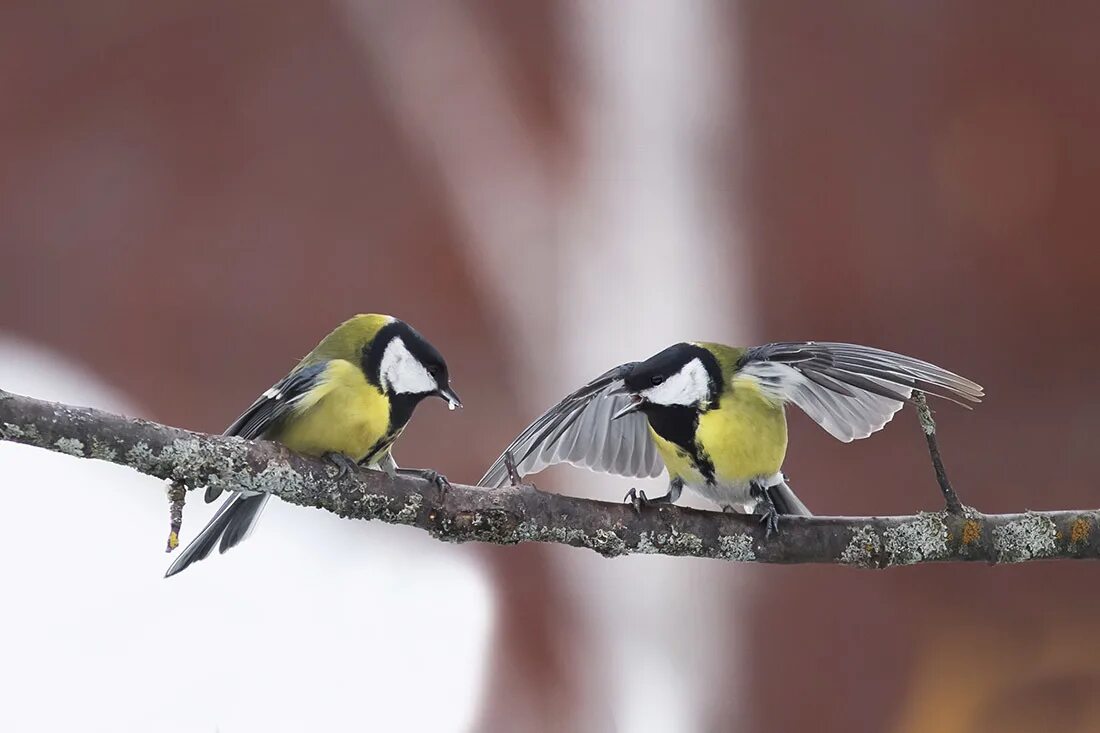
[
  {"x": 714, "y": 417},
  {"x": 348, "y": 400}
]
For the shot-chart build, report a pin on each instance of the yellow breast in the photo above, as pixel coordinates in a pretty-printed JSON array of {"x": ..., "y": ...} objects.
[
  {"x": 745, "y": 436},
  {"x": 344, "y": 414},
  {"x": 677, "y": 461}
]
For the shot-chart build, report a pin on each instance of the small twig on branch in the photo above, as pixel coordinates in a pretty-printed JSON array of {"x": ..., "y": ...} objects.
[
  {"x": 510, "y": 467},
  {"x": 523, "y": 514},
  {"x": 177, "y": 495},
  {"x": 928, "y": 427}
]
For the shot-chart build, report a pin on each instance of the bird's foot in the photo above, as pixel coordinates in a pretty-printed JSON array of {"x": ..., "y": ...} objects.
[
  {"x": 765, "y": 509},
  {"x": 428, "y": 474},
  {"x": 342, "y": 463},
  {"x": 638, "y": 499},
  {"x": 770, "y": 519}
]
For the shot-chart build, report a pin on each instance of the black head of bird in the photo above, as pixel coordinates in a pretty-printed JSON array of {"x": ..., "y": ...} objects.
[
  {"x": 683, "y": 376},
  {"x": 406, "y": 367}
]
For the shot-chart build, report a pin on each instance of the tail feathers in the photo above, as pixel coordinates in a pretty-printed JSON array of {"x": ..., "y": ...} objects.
[
  {"x": 785, "y": 500},
  {"x": 231, "y": 524}
]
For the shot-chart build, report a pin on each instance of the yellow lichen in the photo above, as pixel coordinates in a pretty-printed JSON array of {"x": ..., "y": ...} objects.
[
  {"x": 173, "y": 541},
  {"x": 1080, "y": 530},
  {"x": 972, "y": 532}
]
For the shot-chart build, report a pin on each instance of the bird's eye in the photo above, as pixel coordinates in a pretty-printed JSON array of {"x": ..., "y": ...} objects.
[
  {"x": 434, "y": 370},
  {"x": 656, "y": 379}
]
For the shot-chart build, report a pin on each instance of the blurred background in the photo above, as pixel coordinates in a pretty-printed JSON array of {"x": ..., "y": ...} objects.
[{"x": 193, "y": 193}]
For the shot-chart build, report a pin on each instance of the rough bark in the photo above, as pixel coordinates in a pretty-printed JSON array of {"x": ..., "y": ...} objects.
[{"x": 525, "y": 514}]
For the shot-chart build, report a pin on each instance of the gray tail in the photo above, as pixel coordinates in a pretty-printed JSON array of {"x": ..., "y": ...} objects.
[
  {"x": 231, "y": 524},
  {"x": 786, "y": 502}
]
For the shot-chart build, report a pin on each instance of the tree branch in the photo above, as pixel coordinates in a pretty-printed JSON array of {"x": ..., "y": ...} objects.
[{"x": 524, "y": 514}]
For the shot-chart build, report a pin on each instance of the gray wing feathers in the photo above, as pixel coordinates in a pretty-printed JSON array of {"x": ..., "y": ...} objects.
[
  {"x": 579, "y": 430},
  {"x": 851, "y": 391}
]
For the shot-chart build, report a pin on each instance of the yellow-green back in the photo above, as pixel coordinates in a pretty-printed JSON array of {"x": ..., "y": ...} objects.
[
  {"x": 726, "y": 356},
  {"x": 348, "y": 339}
]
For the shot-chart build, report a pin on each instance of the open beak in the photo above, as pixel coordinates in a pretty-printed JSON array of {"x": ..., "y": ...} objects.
[
  {"x": 451, "y": 396},
  {"x": 634, "y": 405}
]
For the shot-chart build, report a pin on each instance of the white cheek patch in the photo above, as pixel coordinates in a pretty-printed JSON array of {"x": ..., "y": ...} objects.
[
  {"x": 686, "y": 387},
  {"x": 402, "y": 373}
]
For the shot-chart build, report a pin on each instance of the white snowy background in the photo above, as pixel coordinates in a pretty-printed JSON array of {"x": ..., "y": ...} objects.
[{"x": 315, "y": 623}]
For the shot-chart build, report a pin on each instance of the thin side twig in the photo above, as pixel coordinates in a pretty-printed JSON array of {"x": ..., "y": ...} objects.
[
  {"x": 177, "y": 495},
  {"x": 928, "y": 427}
]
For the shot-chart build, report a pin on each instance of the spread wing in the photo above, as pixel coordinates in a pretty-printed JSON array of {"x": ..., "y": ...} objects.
[
  {"x": 849, "y": 390},
  {"x": 271, "y": 407},
  {"x": 579, "y": 430}
]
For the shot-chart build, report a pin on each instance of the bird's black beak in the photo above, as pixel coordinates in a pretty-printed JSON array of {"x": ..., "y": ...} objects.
[
  {"x": 634, "y": 405},
  {"x": 450, "y": 395}
]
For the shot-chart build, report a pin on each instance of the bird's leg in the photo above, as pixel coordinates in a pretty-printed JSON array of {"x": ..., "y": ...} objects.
[
  {"x": 765, "y": 509},
  {"x": 675, "y": 488},
  {"x": 343, "y": 463},
  {"x": 638, "y": 499},
  {"x": 387, "y": 464}
]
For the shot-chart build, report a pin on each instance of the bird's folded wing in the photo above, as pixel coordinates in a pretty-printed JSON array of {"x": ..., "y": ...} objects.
[
  {"x": 579, "y": 430},
  {"x": 849, "y": 390},
  {"x": 272, "y": 406}
]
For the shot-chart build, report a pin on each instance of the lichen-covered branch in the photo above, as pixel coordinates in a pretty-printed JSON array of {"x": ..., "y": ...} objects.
[{"x": 523, "y": 514}]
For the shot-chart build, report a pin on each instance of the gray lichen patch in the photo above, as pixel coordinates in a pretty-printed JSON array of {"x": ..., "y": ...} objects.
[
  {"x": 379, "y": 506},
  {"x": 924, "y": 414},
  {"x": 646, "y": 546},
  {"x": 1033, "y": 536},
  {"x": 11, "y": 431},
  {"x": 604, "y": 541},
  {"x": 141, "y": 457},
  {"x": 672, "y": 542},
  {"x": 189, "y": 460},
  {"x": 70, "y": 446},
  {"x": 924, "y": 538},
  {"x": 276, "y": 478},
  {"x": 736, "y": 547},
  {"x": 531, "y": 531},
  {"x": 863, "y": 548},
  {"x": 408, "y": 512},
  {"x": 102, "y": 451},
  {"x": 607, "y": 543}
]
